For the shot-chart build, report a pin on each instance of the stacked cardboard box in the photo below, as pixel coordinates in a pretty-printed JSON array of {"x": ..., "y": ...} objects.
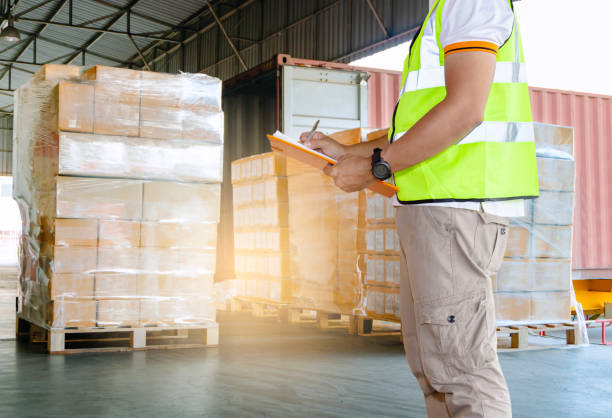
[
  {"x": 534, "y": 281},
  {"x": 380, "y": 253},
  {"x": 261, "y": 233},
  {"x": 117, "y": 178},
  {"x": 325, "y": 233}
]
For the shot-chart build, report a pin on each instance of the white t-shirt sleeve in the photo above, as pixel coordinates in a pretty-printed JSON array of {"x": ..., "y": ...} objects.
[{"x": 469, "y": 22}]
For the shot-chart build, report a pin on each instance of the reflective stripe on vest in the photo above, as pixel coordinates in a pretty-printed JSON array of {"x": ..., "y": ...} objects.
[{"x": 496, "y": 160}]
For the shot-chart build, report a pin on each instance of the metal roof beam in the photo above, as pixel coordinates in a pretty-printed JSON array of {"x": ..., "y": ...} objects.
[
  {"x": 97, "y": 36},
  {"x": 18, "y": 15},
  {"x": 140, "y": 15},
  {"x": 140, "y": 53},
  {"x": 176, "y": 31},
  {"x": 378, "y": 19},
  {"x": 212, "y": 11},
  {"x": 195, "y": 35},
  {"x": 99, "y": 30},
  {"x": 22, "y": 51}
]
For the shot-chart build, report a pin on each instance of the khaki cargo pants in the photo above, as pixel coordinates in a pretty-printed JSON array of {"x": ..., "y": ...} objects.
[{"x": 447, "y": 308}]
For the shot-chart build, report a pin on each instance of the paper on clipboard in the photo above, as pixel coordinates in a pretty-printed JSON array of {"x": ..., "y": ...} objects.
[{"x": 294, "y": 149}]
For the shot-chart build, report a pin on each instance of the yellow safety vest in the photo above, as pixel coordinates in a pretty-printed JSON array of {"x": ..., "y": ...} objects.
[{"x": 496, "y": 160}]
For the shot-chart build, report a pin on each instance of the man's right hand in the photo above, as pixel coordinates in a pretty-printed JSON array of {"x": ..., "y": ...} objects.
[{"x": 323, "y": 144}]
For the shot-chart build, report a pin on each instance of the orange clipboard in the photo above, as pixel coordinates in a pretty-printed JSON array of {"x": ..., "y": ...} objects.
[{"x": 317, "y": 160}]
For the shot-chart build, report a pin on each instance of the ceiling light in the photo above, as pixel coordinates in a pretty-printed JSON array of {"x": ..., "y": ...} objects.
[{"x": 9, "y": 33}]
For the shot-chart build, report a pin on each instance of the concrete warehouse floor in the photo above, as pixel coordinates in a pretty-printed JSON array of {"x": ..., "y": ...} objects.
[{"x": 263, "y": 368}]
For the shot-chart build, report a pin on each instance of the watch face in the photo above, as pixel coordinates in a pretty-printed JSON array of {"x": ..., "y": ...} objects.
[{"x": 381, "y": 171}]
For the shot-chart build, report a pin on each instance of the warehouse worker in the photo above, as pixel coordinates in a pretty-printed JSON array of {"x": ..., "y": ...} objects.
[{"x": 461, "y": 150}]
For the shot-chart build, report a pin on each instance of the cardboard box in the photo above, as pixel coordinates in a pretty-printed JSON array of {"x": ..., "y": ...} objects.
[
  {"x": 519, "y": 243},
  {"x": 161, "y": 122},
  {"x": 76, "y": 232},
  {"x": 80, "y": 197},
  {"x": 73, "y": 313},
  {"x": 130, "y": 157},
  {"x": 116, "y": 110},
  {"x": 516, "y": 275},
  {"x": 114, "y": 313},
  {"x": 179, "y": 235},
  {"x": 202, "y": 124},
  {"x": 74, "y": 259},
  {"x": 556, "y": 174},
  {"x": 273, "y": 164},
  {"x": 379, "y": 209},
  {"x": 116, "y": 233},
  {"x": 116, "y": 285},
  {"x": 119, "y": 260},
  {"x": 161, "y": 90},
  {"x": 159, "y": 286},
  {"x": 277, "y": 239},
  {"x": 552, "y": 241},
  {"x": 550, "y": 306},
  {"x": 275, "y": 189},
  {"x": 113, "y": 75},
  {"x": 554, "y": 208},
  {"x": 514, "y": 306},
  {"x": 75, "y": 107},
  {"x": 552, "y": 275},
  {"x": 181, "y": 202},
  {"x": 180, "y": 262},
  {"x": 71, "y": 285},
  {"x": 55, "y": 72},
  {"x": 381, "y": 239}
]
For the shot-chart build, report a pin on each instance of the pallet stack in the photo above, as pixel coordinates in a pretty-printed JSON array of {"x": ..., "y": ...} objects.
[
  {"x": 380, "y": 256},
  {"x": 261, "y": 233},
  {"x": 533, "y": 284},
  {"x": 326, "y": 234},
  {"x": 117, "y": 175}
]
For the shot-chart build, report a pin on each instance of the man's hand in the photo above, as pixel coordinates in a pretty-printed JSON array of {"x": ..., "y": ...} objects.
[
  {"x": 323, "y": 144},
  {"x": 352, "y": 173}
]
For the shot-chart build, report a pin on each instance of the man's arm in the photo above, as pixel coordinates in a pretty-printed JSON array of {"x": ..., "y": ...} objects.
[
  {"x": 328, "y": 146},
  {"x": 469, "y": 76}
]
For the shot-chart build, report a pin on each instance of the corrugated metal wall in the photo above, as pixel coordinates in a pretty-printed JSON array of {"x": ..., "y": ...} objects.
[
  {"x": 591, "y": 117},
  {"x": 6, "y": 146},
  {"x": 330, "y": 30},
  {"x": 250, "y": 113}
]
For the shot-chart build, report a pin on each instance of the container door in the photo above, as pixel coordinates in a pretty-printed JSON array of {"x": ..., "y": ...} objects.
[{"x": 338, "y": 98}]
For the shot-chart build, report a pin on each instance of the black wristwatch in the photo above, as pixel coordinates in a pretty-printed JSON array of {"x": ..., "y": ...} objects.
[{"x": 380, "y": 168}]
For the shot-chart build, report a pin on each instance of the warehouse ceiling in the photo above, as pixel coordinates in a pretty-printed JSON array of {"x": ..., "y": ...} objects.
[{"x": 219, "y": 37}]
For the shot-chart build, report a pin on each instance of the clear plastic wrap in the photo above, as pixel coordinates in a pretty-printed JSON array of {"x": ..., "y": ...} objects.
[
  {"x": 534, "y": 283},
  {"x": 116, "y": 173},
  {"x": 261, "y": 234},
  {"x": 327, "y": 237}
]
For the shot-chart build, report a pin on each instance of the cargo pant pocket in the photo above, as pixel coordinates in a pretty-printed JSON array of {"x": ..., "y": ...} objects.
[{"x": 453, "y": 337}]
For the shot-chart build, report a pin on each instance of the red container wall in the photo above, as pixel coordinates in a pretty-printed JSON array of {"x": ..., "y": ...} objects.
[
  {"x": 383, "y": 92},
  {"x": 591, "y": 117}
]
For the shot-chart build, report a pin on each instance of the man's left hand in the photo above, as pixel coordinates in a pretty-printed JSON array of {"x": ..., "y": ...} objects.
[{"x": 351, "y": 173}]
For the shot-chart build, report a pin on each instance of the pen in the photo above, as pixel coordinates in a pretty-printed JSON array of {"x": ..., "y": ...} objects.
[{"x": 314, "y": 128}]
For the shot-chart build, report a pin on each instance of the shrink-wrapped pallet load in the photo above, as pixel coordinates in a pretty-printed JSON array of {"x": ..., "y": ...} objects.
[
  {"x": 261, "y": 233},
  {"x": 325, "y": 234},
  {"x": 534, "y": 282},
  {"x": 117, "y": 175},
  {"x": 380, "y": 255}
]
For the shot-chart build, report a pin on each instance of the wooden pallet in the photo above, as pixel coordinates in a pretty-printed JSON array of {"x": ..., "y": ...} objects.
[
  {"x": 259, "y": 308},
  {"x": 98, "y": 339},
  {"x": 366, "y": 326},
  {"x": 519, "y": 334}
]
